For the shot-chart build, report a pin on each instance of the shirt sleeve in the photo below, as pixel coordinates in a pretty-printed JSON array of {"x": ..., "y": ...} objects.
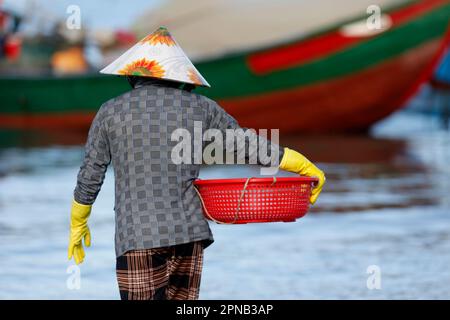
[
  {"x": 247, "y": 146},
  {"x": 97, "y": 157}
]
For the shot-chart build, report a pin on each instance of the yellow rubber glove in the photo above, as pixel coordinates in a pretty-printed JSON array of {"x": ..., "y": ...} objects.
[
  {"x": 79, "y": 230},
  {"x": 295, "y": 162}
]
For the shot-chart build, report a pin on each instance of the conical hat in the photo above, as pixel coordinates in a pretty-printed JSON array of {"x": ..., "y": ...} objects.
[{"x": 157, "y": 55}]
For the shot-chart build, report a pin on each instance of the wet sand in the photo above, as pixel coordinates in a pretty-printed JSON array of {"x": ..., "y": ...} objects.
[{"x": 386, "y": 203}]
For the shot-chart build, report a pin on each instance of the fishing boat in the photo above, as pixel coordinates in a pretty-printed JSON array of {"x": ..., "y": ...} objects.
[{"x": 339, "y": 78}]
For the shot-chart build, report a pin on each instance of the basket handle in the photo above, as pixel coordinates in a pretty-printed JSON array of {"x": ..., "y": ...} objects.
[
  {"x": 238, "y": 206},
  {"x": 206, "y": 210}
]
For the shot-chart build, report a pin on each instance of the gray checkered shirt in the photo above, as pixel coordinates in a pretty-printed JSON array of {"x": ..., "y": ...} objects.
[{"x": 155, "y": 201}]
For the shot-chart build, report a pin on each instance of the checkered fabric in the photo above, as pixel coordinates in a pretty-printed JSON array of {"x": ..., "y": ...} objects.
[
  {"x": 171, "y": 273},
  {"x": 155, "y": 201}
]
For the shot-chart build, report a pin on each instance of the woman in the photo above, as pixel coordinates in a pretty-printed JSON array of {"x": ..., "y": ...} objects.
[{"x": 160, "y": 229}]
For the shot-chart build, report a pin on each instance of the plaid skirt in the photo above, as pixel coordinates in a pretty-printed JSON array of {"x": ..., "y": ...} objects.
[{"x": 169, "y": 273}]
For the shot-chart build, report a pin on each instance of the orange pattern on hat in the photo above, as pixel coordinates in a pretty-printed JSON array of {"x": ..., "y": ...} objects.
[
  {"x": 143, "y": 67},
  {"x": 194, "y": 77},
  {"x": 161, "y": 36},
  {"x": 158, "y": 56}
]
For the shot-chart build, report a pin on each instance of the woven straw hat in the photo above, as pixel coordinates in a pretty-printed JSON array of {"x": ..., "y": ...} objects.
[{"x": 157, "y": 55}]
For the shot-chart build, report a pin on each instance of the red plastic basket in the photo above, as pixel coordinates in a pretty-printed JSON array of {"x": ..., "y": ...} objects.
[{"x": 236, "y": 201}]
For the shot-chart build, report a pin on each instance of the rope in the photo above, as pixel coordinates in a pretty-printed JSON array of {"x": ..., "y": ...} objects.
[{"x": 238, "y": 206}]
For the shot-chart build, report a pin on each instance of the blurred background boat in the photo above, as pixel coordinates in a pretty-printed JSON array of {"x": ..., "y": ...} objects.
[{"x": 271, "y": 64}]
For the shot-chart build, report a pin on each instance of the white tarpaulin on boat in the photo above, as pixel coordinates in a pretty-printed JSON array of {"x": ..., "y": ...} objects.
[{"x": 207, "y": 28}]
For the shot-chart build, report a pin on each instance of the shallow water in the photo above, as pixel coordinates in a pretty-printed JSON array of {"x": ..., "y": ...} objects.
[{"x": 386, "y": 203}]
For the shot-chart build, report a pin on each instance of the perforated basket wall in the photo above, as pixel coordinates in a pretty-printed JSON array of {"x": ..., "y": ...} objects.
[{"x": 263, "y": 200}]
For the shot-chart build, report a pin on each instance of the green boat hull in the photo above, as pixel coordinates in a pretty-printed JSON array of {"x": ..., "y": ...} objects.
[{"x": 261, "y": 88}]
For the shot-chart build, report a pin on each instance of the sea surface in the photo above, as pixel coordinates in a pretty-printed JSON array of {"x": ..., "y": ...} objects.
[{"x": 380, "y": 230}]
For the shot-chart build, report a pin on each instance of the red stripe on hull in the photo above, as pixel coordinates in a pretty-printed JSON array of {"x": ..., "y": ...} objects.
[
  {"x": 345, "y": 104},
  {"x": 306, "y": 51},
  {"x": 69, "y": 120}
]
